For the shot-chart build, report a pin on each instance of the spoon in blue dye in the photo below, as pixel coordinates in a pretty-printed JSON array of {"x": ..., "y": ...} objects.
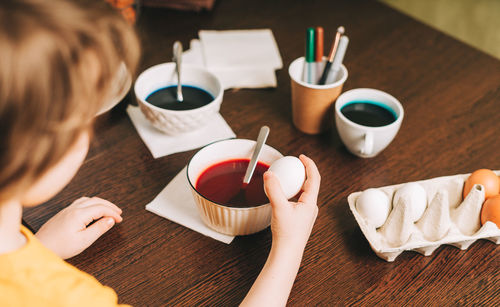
[{"x": 178, "y": 59}]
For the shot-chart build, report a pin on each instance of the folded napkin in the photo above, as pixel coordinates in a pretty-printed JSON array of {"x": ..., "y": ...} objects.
[
  {"x": 240, "y": 48},
  {"x": 175, "y": 202},
  {"x": 160, "y": 144},
  {"x": 239, "y": 58}
]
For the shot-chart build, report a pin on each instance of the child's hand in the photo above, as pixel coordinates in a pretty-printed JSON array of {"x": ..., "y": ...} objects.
[
  {"x": 67, "y": 234},
  {"x": 292, "y": 222}
]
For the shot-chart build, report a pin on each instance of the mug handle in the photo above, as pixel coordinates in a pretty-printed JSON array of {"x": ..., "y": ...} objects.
[{"x": 367, "y": 144}]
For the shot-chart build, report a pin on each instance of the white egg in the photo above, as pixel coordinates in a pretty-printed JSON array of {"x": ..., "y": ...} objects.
[
  {"x": 415, "y": 194},
  {"x": 291, "y": 174},
  {"x": 374, "y": 206}
]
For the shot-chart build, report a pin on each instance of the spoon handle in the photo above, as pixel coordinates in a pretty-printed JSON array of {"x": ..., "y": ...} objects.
[
  {"x": 178, "y": 59},
  {"x": 261, "y": 139}
]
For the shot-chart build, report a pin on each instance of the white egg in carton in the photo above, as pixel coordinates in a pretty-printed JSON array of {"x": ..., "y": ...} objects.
[{"x": 421, "y": 216}]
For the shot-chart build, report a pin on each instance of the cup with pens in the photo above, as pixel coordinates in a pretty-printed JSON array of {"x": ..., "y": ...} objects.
[{"x": 317, "y": 81}]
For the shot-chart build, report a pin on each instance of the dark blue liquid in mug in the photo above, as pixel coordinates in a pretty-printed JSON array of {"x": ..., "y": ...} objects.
[
  {"x": 166, "y": 98},
  {"x": 369, "y": 113}
]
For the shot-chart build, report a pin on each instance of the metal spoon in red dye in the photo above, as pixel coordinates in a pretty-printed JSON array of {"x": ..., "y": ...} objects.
[{"x": 261, "y": 139}]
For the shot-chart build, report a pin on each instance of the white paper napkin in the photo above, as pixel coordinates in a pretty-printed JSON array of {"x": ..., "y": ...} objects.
[
  {"x": 239, "y": 58},
  {"x": 160, "y": 144},
  {"x": 193, "y": 55},
  {"x": 175, "y": 202},
  {"x": 240, "y": 48}
]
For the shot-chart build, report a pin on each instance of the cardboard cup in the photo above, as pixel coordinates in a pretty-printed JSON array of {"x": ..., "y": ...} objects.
[{"x": 311, "y": 102}]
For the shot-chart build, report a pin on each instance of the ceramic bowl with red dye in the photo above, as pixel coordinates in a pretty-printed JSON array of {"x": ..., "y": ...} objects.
[{"x": 215, "y": 175}]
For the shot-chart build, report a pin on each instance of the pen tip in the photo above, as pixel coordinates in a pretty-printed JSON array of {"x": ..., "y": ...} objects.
[{"x": 341, "y": 30}]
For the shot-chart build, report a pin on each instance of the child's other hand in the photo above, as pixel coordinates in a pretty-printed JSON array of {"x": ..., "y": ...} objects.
[
  {"x": 67, "y": 234},
  {"x": 292, "y": 222}
]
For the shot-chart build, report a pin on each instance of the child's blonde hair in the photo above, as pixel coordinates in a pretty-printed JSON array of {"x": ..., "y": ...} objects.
[{"x": 58, "y": 60}]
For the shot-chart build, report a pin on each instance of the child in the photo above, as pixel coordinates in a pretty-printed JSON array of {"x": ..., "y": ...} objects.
[{"x": 57, "y": 61}]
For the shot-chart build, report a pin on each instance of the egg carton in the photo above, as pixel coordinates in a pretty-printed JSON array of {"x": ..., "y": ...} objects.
[{"x": 447, "y": 219}]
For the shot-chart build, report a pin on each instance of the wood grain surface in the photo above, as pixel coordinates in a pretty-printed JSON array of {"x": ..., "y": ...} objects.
[{"x": 451, "y": 96}]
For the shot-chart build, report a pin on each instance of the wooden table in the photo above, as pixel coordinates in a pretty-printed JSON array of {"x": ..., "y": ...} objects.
[{"x": 451, "y": 96}]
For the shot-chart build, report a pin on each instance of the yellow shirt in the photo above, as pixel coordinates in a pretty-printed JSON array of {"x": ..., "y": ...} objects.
[{"x": 35, "y": 276}]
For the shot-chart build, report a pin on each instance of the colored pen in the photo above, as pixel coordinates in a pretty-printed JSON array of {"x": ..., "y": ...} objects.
[
  {"x": 318, "y": 48},
  {"x": 318, "y": 45},
  {"x": 309, "y": 59},
  {"x": 331, "y": 55},
  {"x": 337, "y": 61}
]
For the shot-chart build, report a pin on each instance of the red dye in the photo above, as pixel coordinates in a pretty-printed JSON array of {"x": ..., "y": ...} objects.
[{"x": 222, "y": 183}]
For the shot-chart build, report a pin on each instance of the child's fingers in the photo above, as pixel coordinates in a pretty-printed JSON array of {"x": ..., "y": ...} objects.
[
  {"x": 80, "y": 200},
  {"x": 96, "y": 212},
  {"x": 99, "y": 201},
  {"x": 108, "y": 203},
  {"x": 94, "y": 231},
  {"x": 273, "y": 190},
  {"x": 312, "y": 183}
]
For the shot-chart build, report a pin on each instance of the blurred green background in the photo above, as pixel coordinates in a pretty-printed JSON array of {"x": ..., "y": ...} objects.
[{"x": 475, "y": 22}]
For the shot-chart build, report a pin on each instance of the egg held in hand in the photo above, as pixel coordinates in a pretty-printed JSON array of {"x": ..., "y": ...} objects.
[
  {"x": 374, "y": 206},
  {"x": 491, "y": 210},
  {"x": 291, "y": 174},
  {"x": 485, "y": 177}
]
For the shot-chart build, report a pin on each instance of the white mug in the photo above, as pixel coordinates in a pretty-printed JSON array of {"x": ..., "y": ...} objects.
[{"x": 365, "y": 141}]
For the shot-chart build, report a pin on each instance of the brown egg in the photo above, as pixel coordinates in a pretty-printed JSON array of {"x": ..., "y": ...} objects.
[
  {"x": 485, "y": 177},
  {"x": 491, "y": 210}
]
